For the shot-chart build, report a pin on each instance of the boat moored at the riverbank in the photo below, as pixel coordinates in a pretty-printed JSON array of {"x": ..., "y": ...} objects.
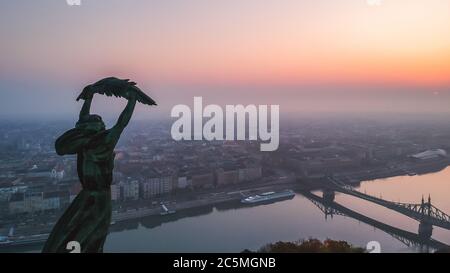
[{"x": 268, "y": 197}]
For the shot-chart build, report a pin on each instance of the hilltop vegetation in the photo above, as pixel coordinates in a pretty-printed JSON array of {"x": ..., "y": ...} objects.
[{"x": 310, "y": 246}]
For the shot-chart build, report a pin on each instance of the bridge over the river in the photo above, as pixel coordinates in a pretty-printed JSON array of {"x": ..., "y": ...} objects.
[
  {"x": 408, "y": 238},
  {"x": 424, "y": 212}
]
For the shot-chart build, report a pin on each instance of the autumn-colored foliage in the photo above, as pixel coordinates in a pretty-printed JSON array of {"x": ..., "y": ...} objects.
[{"x": 311, "y": 246}]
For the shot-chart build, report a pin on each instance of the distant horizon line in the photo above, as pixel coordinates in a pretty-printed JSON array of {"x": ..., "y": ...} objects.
[{"x": 285, "y": 114}]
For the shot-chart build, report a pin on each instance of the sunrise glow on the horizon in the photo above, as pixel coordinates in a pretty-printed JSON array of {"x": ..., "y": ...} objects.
[{"x": 399, "y": 44}]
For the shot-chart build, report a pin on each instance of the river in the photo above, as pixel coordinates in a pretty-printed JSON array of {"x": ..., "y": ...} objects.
[{"x": 233, "y": 228}]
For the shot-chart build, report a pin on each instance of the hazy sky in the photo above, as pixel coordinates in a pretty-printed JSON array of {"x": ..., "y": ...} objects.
[{"x": 321, "y": 55}]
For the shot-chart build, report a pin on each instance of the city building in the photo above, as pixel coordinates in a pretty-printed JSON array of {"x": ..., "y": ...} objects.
[
  {"x": 249, "y": 173},
  {"x": 129, "y": 189},
  {"x": 156, "y": 186},
  {"x": 227, "y": 177},
  {"x": 115, "y": 192},
  {"x": 202, "y": 180},
  {"x": 182, "y": 182},
  {"x": 51, "y": 201}
]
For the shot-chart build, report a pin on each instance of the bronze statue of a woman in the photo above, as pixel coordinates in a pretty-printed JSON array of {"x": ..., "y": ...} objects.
[{"x": 87, "y": 219}]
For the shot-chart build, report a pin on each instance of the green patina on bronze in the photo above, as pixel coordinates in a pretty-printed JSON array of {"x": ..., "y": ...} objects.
[{"x": 87, "y": 219}]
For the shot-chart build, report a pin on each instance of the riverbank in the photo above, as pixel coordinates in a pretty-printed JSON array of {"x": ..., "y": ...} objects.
[{"x": 221, "y": 196}]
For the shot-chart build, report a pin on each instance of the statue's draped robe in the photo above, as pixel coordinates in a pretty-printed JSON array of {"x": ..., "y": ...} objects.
[{"x": 87, "y": 219}]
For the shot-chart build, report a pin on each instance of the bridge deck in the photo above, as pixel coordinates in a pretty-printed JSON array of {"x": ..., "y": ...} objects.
[
  {"x": 420, "y": 212},
  {"x": 404, "y": 236}
]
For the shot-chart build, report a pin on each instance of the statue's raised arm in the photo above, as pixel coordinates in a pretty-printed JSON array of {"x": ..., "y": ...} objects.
[
  {"x": 123, "y": 120},
  {"x": 86, "y": 109}
]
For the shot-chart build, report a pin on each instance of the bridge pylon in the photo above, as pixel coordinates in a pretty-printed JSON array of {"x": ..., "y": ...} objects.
[
  {"x": 328, "y": 195},
  {"x": 425, "y": 229}
]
